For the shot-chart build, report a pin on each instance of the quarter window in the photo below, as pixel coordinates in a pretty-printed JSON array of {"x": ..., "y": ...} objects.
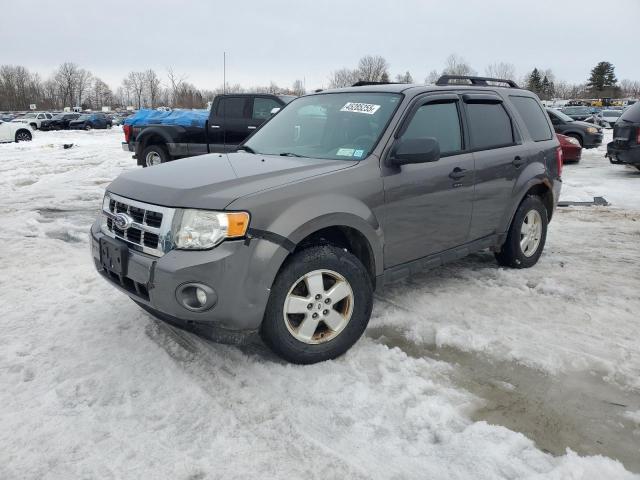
[
  {"x": 440, "y": 121},
  {"x": 489, "y": 125},
  {"x": 533, "y": 117}
]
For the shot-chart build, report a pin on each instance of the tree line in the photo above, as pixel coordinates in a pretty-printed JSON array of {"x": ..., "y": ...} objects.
[{"x": 72, "y": 86}]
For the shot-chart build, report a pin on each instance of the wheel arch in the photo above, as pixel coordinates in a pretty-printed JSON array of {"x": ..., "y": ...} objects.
[{"x": 541, "y": 187}]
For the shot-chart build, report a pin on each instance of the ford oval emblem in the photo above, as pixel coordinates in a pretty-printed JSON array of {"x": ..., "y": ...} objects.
[{"x": 122, "y": 221}]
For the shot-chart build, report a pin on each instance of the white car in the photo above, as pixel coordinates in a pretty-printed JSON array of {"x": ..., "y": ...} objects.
[
  {"x": 15, "y": 132},
  {"x": 607, "y": 118},
  {"x": 34, "y": 119}
]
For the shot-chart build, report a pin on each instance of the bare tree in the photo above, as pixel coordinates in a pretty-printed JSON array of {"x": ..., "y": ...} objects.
[
  {"x": 175, "y": 84},
  {"x": 432, "y": 78},
  {"x": 404, "y": 78},
  {"x": 456, "y": 65},
  {"x": 152, "y": 85},
  {"x": 136, "y": 82},
  {"x": 373, "y": 69},
  {"x": 506, "y": 71},
  {"x": 66, "y": 77},
  {"x": 298, "y": 88},
  {"x": 344, "y": 77},
  {"x": 102, "y": 96},
  {"x": 83, "y": 83}
]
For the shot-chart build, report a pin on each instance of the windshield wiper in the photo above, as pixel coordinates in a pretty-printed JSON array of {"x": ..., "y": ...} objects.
[
  {"x": 289, "y": 154},
  {"x": 246, "y": 149}
]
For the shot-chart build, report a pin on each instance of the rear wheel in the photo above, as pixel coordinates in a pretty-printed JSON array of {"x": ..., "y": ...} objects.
[
  {"x": 23, "y": 136},
  {"x": 88, "y": 127},
  {"x": 34, "y": 126},
  {"x": 319, "y": 306},
  {"x": 527, "y": 235},
  {"x": 154, "y": 155}
]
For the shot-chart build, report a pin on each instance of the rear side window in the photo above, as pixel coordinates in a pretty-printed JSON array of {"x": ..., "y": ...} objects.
[
  {"x": 489, "y": 125},
  {"x": 632, "y": 114},
  {"x": 231, "y": 107},
  {"x": 533, "y": 118},
  {"x": 440, "y": 121}
]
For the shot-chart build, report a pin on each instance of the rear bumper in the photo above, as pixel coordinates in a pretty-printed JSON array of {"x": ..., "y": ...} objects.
[{"x": 629, "y": 156}]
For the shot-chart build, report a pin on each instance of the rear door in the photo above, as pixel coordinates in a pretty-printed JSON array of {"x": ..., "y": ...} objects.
[
  {"x": 5, "y": 132},
  {"x": 428, "y": 205},
  {"x": 228, "y": 127},
  {"x": 499, "y": 159}
]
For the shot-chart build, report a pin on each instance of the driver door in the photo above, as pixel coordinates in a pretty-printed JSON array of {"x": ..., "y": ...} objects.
[{"x": 428, "y": 205}]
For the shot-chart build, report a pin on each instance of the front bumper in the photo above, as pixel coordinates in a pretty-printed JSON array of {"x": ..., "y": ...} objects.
[
  {"x": 241, "y": 274},
  {"x": 592, "y": 140}
]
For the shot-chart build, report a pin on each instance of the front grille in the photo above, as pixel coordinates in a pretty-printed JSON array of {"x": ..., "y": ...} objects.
[
  {"x": 149, "y": 230},
  {"x": 131, "y": 286}
]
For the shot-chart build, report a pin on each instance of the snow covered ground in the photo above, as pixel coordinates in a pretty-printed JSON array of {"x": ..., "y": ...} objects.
[{"x": 92, "y": 387}]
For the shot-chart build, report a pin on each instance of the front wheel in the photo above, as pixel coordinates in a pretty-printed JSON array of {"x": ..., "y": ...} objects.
[
  {"x": 88, "y": 127},
  {"x": 527, "y": 235},
  {"x": 319, "y": 306}
]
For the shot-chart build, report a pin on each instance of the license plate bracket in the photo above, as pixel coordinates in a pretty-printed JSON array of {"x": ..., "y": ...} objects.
[{"x": 114, "y": 255}]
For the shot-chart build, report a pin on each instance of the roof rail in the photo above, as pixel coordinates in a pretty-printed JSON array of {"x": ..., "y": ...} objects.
[
  {"x": 364, "y": 83},
  {"x": 475, "y": 81}
]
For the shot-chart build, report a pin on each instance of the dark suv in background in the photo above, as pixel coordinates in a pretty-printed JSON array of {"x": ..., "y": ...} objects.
[
  {"x": 339, "y": 194},
  {"x": 60, "y": 121},
  {"x": 625, "y": 147},
  {"x": 588, "y": 134},
  {"x": 91, "y": 120}
]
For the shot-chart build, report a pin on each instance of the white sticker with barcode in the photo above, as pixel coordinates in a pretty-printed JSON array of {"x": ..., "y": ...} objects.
[{"x": 368, "y": 108}]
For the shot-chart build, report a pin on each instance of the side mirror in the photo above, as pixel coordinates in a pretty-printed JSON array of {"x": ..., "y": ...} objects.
[
  {"x": 274, "y": 110},
  {"x": 415, "y": 150}
]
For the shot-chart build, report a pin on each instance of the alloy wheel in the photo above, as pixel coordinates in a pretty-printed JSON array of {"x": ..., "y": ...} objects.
[{"x": 531, "y": 233}]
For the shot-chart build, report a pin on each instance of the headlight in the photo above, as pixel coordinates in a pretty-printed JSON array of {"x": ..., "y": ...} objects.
[
  {"x": 204, "y": 229},
  {"x": 592, "y": 130}
]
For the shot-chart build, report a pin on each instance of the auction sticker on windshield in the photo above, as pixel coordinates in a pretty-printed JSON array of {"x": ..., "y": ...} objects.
[{"x": 368, "y": 108}]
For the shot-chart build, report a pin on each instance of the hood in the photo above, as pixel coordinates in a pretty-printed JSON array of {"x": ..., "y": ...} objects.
[
  {"x": 215, "y": 180},
  {"x": 585, "y": 124}
]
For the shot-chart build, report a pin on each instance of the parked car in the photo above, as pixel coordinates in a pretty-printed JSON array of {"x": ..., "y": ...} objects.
[
  {"x": 340, "y": 193},
  {"x": 33, "y": 119},
  {"x": 89, "y": 121},
  {"x": 7, "y": 117},
  {"x": 589, "y": 135},
  {"x": 59, "y": 121},
  {"x": 607, "y": 118},
  {"x": 625, "y": 147},
  {"x": 571, "y": 148},
  {"x": 15, "y": 132},
  {"x": 578, "y": 113},
  {"x": 232, "y": 119}
]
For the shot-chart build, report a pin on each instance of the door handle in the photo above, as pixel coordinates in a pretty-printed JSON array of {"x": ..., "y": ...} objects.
[
  {"x": 215, "y": 126},
  {"x": 518, "y": 162},
  {"x": 457, "y": 173},
  {"x": 251, "y": 127}
]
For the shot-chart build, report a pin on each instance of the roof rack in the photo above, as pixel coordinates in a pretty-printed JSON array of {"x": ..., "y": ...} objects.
[
  {"x": 475, "y": 81},
  {"x": 364, "y": 83}
]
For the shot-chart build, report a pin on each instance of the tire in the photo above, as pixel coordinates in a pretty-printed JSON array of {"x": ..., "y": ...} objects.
[
  {"x": 155, "y": 155},
  {"x": 518, "y": 252},
  {"x": 23, "y": 136},
  {"x": 349, "y": 315},
  {"x": 577, "y": 137},
  {"x": 34, "y": 126},
  {"x": 88, "y": 127}
]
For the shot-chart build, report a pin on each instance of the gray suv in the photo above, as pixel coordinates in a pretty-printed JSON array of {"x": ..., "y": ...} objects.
[{"x": 337, "y": 195}]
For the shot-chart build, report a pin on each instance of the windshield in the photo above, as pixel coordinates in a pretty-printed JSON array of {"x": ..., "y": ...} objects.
[
  {"x": 611, "y": 113},
  {"x": 59, "y": 116},
  {"x": 337, "y": 126},
  {"x": 84, "y": 117},
  {"x": 632, "y": 114},
  {"x": 561, "y": 116},
  {"x": 29, "y": 115}
]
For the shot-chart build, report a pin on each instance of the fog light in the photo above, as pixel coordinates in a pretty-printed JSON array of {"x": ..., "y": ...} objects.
[
  {"x": 201, "y": 296},
  {"x": 196, "y": 297}
]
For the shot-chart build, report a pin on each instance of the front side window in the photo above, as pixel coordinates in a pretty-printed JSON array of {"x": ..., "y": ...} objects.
[
  {"x": 337, "y": 126},
  {"x": 262, "y": 108},
  {"x": 440, "y": 121},
  {"x": 533, "y": 117},
  {"x": 489, "y": 125},
  {"x": 231, "y": 107}
]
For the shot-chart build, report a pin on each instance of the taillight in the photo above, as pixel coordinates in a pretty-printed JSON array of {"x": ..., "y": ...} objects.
[
  {"x": 638, "y": 137},
  {"x": 127, "y": 132},
  {"x": 559, "y": 160}
]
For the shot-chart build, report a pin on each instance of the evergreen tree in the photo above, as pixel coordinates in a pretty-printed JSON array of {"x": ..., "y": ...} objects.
[
  {"x": 602, "y": 77},
  {"x": 534, "y": 82}
]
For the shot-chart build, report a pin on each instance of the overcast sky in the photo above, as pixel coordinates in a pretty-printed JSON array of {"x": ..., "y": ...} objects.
[{"x": 282, "y": 40}]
